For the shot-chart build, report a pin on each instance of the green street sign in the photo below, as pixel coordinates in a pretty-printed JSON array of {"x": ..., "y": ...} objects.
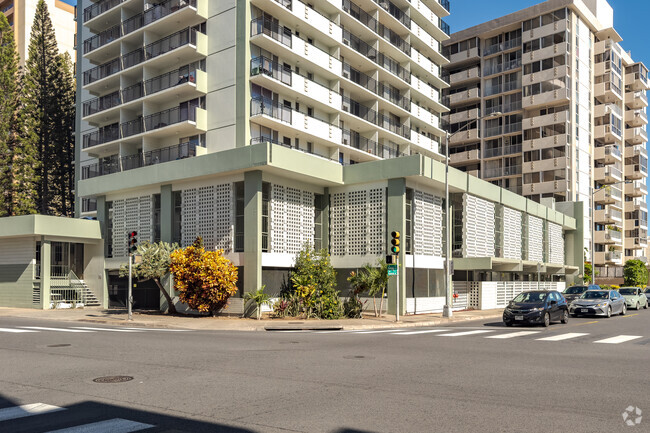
[{"x": 392, "y": 270}]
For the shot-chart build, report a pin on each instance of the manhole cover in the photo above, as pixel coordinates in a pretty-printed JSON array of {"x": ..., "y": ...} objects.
[
  {"x": 354, "y": 357},
  {"x": 289, "y": 342},
  {"x": 113, "y": 379},
  {"x": 58, "y": 345}
]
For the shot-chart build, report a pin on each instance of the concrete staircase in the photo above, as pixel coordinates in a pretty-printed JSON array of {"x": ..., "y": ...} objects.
[{"x": 87, "y": 295}]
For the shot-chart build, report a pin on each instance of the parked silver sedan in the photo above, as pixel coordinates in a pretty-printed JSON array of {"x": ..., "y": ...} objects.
[
  {"x": 598, "y": 303},
  {"x": 647, "y": 294}
]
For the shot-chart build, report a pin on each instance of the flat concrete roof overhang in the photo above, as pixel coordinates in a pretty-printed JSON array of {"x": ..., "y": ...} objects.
[
  {"x": 51, "y": 227},
  {"x": 496, "y": 264}
]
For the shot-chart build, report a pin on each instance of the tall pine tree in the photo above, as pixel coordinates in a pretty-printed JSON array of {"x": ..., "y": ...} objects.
[
  {"x": 17, "y": 152},
  {"x": 48, "y": 100}
]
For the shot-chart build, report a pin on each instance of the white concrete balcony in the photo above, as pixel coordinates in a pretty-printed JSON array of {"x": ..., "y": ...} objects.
[
  {"x": 609, "y": 257},
  {"x": 420, "y": 113},
  {"x": 608, "y": 174},
  {"x": 466, "y": 136},
  {"x": 544, "y": 165},
  {"x": 545, "y": 120},
  {"x": 636, "y": 150},
  {"x": 608, "y": 154},
  {"x": 465, "y": 97},
  {"x": 608, "y": 236},
  {"x": 431, "y": 46},
  {"x": 279, "y": 117},
  {"x": 553, "y": 186},
  {"x": 636, "y": 243},
  {"x": 180, "y": 48},
  {"x": 636, "y": 118},
  {"x": 555, "y": 97},
  {"x": 157, "y": 19},
  {"x": 429, "y": 20},
  {"x": 637, "y": 81},
  {"x": 471, "y": 54},
  {"x": 608, "y": 133},
  {"x": 471, "y": 74},
  {"x": 601, "y": 110},
  {"x": 636, "y": 135},
  {"x": 424, "y": 142},
  {"x": 608, "y": 92},
  {"x": 636, "y": 100},
  {"x": 609, "y": 195},
  {"x": 469, "y": 156},
  {"x": 635, "y": 170},
  {"x": 544, "y": 53},
  {"x": 464, "y": 116},
  {"x": 440, "y": 7},
  {"x": 432, "y": 95},
  {"x": 97, "y": 16},
  {"x": 636, "y": 205},
  {"x": 608, "y": 215},
  {"x": 545, "y": 142},
  {"x": 636, "y": 189},
  {"x": 424, "y": 67}
]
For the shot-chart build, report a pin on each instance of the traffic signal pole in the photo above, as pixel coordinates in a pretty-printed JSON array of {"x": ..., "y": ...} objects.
[{"x": 130, "y": 294}]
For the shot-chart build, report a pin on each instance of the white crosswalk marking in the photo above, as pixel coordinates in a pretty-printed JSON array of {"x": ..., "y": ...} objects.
[
  {"x": 27, "y": 410},
  {"x": 104, "y": 329},
  {"x": 563, "y": 336},
  {"x": 42, "y": 328},
  {"x": 160, "y": 329},
  {"x": 619, "y": 339},
  {"x": 426, "y": 331},
  {"x": 116, "y": 425},
  {"x": 15, "y": 331},
  {"x": 461, "y": 334},
  {"x": 396, "y": 331},
  {"x": 513, "y": 334}
]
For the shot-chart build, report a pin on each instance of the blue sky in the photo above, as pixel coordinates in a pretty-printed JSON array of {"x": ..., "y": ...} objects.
[{"x": 630, "y": 19}]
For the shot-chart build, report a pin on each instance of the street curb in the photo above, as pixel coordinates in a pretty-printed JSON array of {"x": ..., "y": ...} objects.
[{"x": 304, "y": 328}]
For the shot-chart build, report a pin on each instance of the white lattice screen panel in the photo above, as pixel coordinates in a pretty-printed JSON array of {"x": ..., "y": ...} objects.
[
  {"x": 207, "y": 211},
  {"x": 293, "y": 222},
  {"x": 512, "y": 233},
  {"x": 535, "y": 238},
  {"x": 338, "y": 223},
  {"x": 292, "y": 219},
  {"x": 428, "y": 224},
  {"x": 555, "y": 243},
  {"x": 358, "y": 222},
  {"x": 478, "y": 227},
  {"x": 278, "y": 212},
  {"x": 307, "y": 225},
  {"x": 131, "y": 214}
]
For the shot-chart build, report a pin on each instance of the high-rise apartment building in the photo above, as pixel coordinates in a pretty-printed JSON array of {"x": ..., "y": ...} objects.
[
  {"x": 564, "y": 114},
  {"x": 20, "y": 14},
  {"x": 263, "y": 125}
]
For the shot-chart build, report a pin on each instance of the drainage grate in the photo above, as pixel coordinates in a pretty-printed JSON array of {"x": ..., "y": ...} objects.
[
  {"x": 355, "y": 357},
  {"x": 113, "y": 379},
  {"x": 58, "y": 345}
]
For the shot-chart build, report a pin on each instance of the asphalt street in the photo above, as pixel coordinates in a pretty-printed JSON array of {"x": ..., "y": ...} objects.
[{"x": 471, "y": 377}]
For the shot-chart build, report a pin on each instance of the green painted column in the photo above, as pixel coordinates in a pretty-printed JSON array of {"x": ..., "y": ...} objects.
[
  {"x": 166, "y": 214},
  {"x": 252, "y": 230},
  {"x": 397, "y": 221},
  {"x": 46, "y": 261}
]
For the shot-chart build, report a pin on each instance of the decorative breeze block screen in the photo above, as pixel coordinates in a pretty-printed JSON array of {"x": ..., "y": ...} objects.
[
  {"x": 292, "y": 219},
  {"x": 535, "y": 239},
  {"x": 555, "y": 243},
  {"x": 358, "y": 222},
  {"x": 512, "y": 233},
  {"x": 128, "y": 215},
  {"x": 428, "y": 218},
  {"x": 478, "y": 227},
  {"x": 207, "y": 211}
]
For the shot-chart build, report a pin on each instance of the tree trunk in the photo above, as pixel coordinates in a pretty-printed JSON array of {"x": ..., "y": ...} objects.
[
  {"x": 374, "y": 305},
  {"x": 381, "y": 303},
  {"x": 170, "y": 303}
]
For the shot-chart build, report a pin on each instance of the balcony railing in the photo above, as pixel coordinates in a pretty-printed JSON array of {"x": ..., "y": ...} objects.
[
  {"x": 445, "y": 4},
  {"x": 155, "y": 49},
  {"x": 267, "y": 107},
  {"x": 395, "y": 11},
  {"x": 444, "y": 27},
  {"x": 263, "y": 65},
  {"x": 372, "y": 54},
  {"x": 265, "y": 25},
  {"x": 136, "y": 22},
  {"x": 356, "y": 140},
  {"x": 117, "y": 165},
  {"x": 369, "y": 21},
  {"x": 99, "y": 8},
  {"x": 512, "y": 127},
  {"x": 512, "y": 43},
  {"x": 513, "y": 106},
  {"x": 372, "y": 116},
  {"x": 385, "y": 91},
  {"x": 140, "y": 125}
]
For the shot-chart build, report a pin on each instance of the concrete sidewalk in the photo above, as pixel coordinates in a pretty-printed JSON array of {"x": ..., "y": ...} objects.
[{"x": 159, "y": 320}]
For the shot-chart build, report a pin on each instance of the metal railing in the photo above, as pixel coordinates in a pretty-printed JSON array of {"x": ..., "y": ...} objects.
[
  {"x": 356, "y": 108},
  {"x": 385, "y": 91},
  {"x": 265, "y": 25},
  {"x": 99, "y": 8},
  {"x": 372, "y": 54},
  {"x": 512, "y": 127},
  {"x": 139, "y": 55},
  {"x": 263, "y": 65},
  {"x": 369, "y": 21},
  {"x": 261, "y": 106},
  {"x": 396, "y": 12}
]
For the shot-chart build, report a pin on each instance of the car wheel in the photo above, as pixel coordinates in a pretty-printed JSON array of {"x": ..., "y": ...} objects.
[
  {"x": 638, "y": 306},
  {"x": 565, "y": 317},
  {"x": 508, "y": 323},
  {"x": 645, "y": 307},
  {"x": 624, "y": 310},
  {"x": 547, "y": 320},
  {"x": 609, "y": 312}
]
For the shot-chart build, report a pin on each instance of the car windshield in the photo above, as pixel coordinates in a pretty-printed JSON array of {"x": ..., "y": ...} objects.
[
  {"x": 627, "y": 291},
  {"x": 575, "y": 290},
  {"x": 531, "y": 297},
  {"x": 595, "y": 294},
  {"x": 647, "y": 290}
]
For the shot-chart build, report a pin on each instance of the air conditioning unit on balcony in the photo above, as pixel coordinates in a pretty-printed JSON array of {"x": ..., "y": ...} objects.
[
  {"x": 346, "y": 108},
  {"x": 346, "y": 74}
]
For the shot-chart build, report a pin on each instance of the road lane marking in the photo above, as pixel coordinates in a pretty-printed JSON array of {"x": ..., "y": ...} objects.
[
  {"x": 563, "y": 336},
  {"x": 42, "y": 328},
  {"x": 397, "y": 331},
  {"x": 513, "y": 334},
  {"x": 461, "y": 334},
  {"x": 103, "y": 329},
  {"x": 116, "y": 425},
  {"x": 630, "y": 315},
  {"x": 27, "y": 410},
  {"x": 16, "y": 331},
  {"x": 619, "y": 339},
  {"x": 426, "y": 331},
  {"x": 160, "y": 330}
]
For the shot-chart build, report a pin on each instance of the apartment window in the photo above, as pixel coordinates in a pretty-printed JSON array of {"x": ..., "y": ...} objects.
[{"x": 239, "y": 217}]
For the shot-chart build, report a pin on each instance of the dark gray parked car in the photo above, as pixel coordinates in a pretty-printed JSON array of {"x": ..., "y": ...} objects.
[{"x": 574, "y": 292}]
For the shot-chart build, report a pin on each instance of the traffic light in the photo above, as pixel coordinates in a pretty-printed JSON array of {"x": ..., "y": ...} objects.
[
  {"x": 133, "y": 242},
  {"x": 394, "y": 242}
]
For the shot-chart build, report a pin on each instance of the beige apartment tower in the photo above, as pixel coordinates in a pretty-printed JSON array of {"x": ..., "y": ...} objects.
[
  {"x": 563, "y": 111},
  {"x": 20, "y": 14}
]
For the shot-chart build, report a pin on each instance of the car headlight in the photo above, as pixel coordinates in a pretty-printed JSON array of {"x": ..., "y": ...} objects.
[
  {"x": 536, "y": 309},
  {"x": 602, "y": 304}
]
